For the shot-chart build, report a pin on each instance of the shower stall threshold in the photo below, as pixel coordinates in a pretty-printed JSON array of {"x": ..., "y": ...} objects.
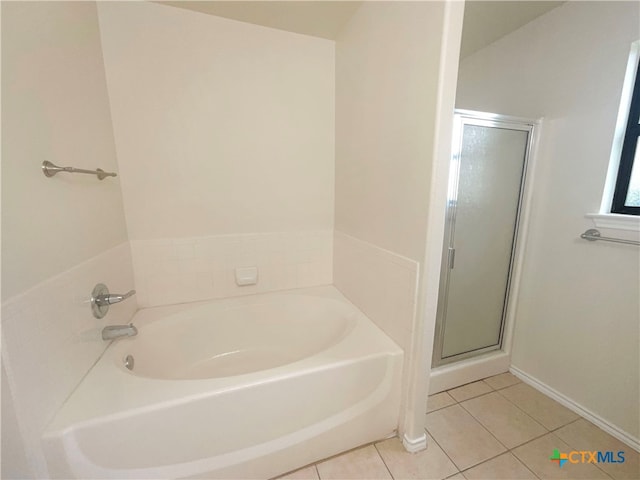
[{"x": 469, "y": 370}]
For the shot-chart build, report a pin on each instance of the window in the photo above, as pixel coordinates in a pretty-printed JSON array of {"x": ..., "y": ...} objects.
[{"x": 626, "y": 196}]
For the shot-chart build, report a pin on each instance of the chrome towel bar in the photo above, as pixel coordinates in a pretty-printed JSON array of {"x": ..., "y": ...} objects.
[
  {"x": 49, "y": 170},
  {"x": 592, "y": 235}
]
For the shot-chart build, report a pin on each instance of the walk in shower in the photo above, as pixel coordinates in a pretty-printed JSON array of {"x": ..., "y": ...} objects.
[{"x": 485, "y": 196}]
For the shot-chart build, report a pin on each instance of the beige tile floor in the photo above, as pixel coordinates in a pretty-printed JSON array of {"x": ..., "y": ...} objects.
[{"x": 497, "y": 428}]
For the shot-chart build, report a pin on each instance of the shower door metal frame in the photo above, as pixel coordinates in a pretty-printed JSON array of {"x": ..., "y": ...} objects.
[{"x": 481, "y": 119}]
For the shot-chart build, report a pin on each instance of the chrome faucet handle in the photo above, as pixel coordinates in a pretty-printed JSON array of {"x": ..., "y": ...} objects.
[
  {"x": 111, "y": 298},
  {"x": 101, "y": 299}
]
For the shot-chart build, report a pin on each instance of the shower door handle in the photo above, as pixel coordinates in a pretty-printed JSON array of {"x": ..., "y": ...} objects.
[{"x": 452, "y": 257}]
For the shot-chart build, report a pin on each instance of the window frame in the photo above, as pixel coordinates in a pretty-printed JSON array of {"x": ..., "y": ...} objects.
[{"x": 627, "y": 156}]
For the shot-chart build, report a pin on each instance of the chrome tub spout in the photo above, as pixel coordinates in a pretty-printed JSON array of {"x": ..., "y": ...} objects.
[{"x": 116, "y": 331}]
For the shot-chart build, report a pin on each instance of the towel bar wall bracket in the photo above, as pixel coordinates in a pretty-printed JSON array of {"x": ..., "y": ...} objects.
[
  {"x": 593, "y": 235},
  {"x": 49, "y": 170}
]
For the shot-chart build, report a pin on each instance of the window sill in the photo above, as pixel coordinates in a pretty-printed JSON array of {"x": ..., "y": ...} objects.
[{"x": 616, "y": 221}]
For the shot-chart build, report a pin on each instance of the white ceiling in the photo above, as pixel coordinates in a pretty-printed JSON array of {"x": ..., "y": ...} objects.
[{"x": 484, "y": 21}]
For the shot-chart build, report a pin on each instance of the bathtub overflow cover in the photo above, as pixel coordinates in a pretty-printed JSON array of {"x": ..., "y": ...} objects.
[{"x": 128, "y": 362}]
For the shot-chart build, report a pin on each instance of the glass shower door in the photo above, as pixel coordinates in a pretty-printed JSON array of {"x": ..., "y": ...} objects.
[{"x": 486, "y": 180}]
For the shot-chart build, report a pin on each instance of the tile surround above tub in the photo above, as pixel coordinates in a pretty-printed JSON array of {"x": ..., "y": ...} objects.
[
  {"x": 381, "y": 283},
  {"x": 169, "y": 271}
]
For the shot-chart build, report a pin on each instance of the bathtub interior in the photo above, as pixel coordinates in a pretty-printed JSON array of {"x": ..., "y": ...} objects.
[{"x": 273, "y": 333}]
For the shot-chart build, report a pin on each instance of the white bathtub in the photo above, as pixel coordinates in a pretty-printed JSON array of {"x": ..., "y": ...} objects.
[{"x": 249, "y": 387}]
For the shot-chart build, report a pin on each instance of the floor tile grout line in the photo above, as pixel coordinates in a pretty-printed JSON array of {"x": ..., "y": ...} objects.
[
  {"x": 459, "y": 471},
  {"x": 451, "y": 476},
  {"x": 534, "y": 420},
  {"x": 435, "y": 410},
  {"x": 572, "y": 421},
  {"x": 530, "y": 469},
  {"x": 550, "y": 430},
  {"x": 598, "y": 467},
  {"x": 375, "y": 445},
  {"x": 502, "y": 388},
  {"x": 510, "y": 448},
  {"x": 438, "y": 409},
  {"x": 493, "y": 389},
  {"x": 529, "y": 441},
  {"x": 483, "y": 462},
  {"x": 440, "y": 447},
  {"x": 295, "y": 470},
  {"x": 508, "y": 386},
  {"x": 339, "y": 454},
  {"x": 575, "y": 447},
  {"x": 503, "y": 453},
  {"x": 525, "y": 466},
  {"x": 475, "y": 396},
  {"x": 480, "y": 423},
  {"x": 519, "y": 408},
  {"x": 521, "y": 460}
]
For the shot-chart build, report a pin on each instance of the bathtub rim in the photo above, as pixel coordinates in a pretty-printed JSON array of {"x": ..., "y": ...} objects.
[{"x": 159, "y": 393}]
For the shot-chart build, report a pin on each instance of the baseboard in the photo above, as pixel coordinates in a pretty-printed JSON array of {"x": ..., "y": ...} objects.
[
  {"x": 467, "y": 371},
  {"x": 414, "y": 445},
  {"x": 572, "y": 405}
]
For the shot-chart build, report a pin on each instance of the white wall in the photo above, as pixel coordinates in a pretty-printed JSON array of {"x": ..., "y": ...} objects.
[
  {"x": 386, "y": 78},
  {"x": 225, "y": 136},
  {"x": 221, "y": 127},
  {"x": 387, "y": 72},
  {"x": 60, "y": 235},
  {"x": 54, "y": 107},
  {"x": 577, "y": 323}
]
